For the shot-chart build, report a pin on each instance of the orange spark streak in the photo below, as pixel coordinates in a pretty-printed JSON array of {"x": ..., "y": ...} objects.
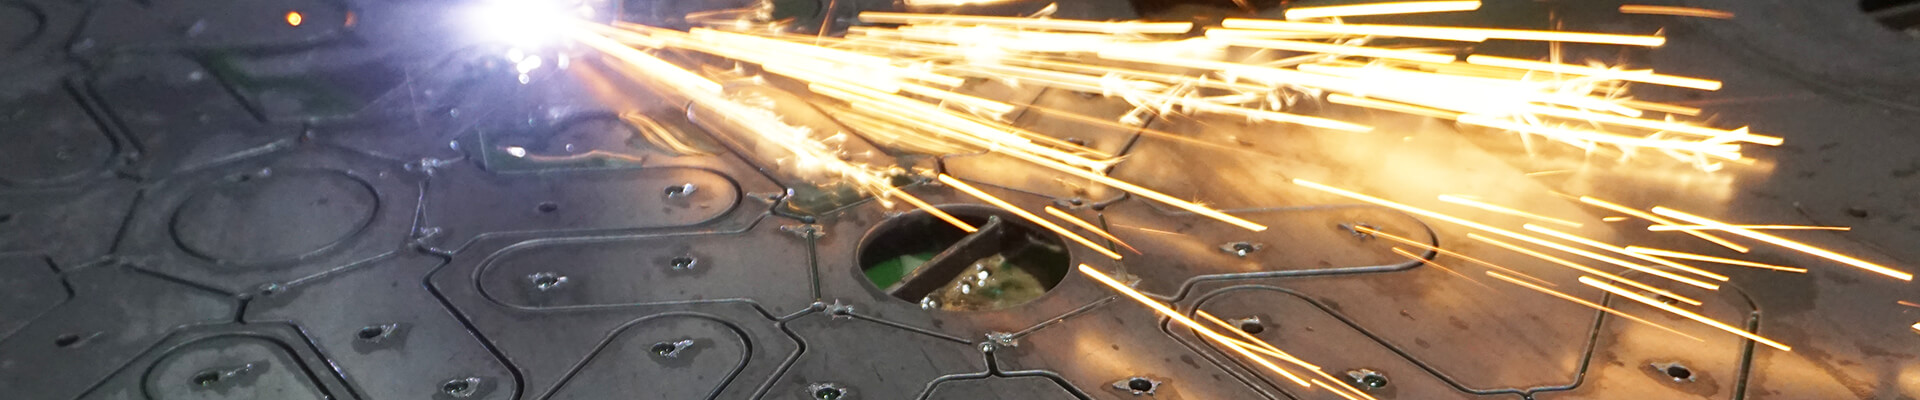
[
  {"x": 1143, "y": 229},
  {"x": 1675, "y": 11},
  {"x": 1712, "y": 259},
  {"x": 1583, "y": 135},
  {"x": 1907, "y": 303},
  {"x": 1622, "y": 251},
  {"x": 1465, "y": 201},
  {"x": 1392, "y": 8},
  {"x": 1315, "y": 368},
  {"x": 1089, "y": 226},
  {"x": 1589, "y": 304},
  {"x": 1783, "y": 242},
  {"x": 1377, "y": 232},
  {"x": 1034, "y": 23},
  {"x": 941, "y": 119},
  {"x": 1663, "y": 221},
  {"x": 1144, "y": 130},
  {"x": 1183, "y": 320},
  {"x": 1613, "y": 219},
  {"x": 1411, "y": 256},
  {"x": 1004, "y": 205},
  {"x": 1645, "y": 76},
  {"x": 1583, "y": 268},
  {"x": 929, "y": 208},
  {"x": 1502, "y": 232},
  {"x": 1398, "y": 107},
  {"x": 1323, "y": 48},
  {"x": 1344, "y": 394},
  {"x": 1661, "y": 107},
  {"x": 1275, "y": 351},
  {"x": 1713, "y": 135},
  {"x": 1447, "y": 33},
  {"x": 1681, "y": 312},
  {"x": 1670, "y": 228}
]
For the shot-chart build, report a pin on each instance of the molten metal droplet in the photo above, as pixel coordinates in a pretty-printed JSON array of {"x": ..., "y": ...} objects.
[{"x": 294, "y": 18}]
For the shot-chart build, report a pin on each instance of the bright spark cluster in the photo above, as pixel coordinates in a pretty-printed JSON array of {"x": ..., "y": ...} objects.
[{"x": 899, "y": 85}]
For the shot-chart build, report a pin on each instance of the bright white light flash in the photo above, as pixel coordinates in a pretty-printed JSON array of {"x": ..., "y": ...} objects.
[{"x": 523, "y": 23}]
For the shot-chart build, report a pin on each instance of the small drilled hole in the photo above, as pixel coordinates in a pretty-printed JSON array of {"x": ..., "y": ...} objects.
[
  {"x": 1679, "y": 372},
  {"x": 680, "y": 190},
  {"x": 546, "y": 280},
  {"x": 547, "y": 207},
  {"x": 1140, "y": 384},
  {"x": 829, "y": 393},
  {"x": 681, "y": 262},
  {"x": 67, "y": 340},
  {"x": 1252, "y": 327},
  {"x": 205, "y": 379},
  {"x": 1374, "y": 381},
  {"x": 456, "y": 387},
  {"x": 372, "y": 332},
  {"x": 663, "y": 348}
]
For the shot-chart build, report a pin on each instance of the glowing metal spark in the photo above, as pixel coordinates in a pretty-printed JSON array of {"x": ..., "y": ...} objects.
[
  {"x": 1663, "y": 221},
  {"x": 1466, "y": 201},
  {"x": 1589, "y": 304},
  {"x": 1031, "y": 23},
  {"x": 1676, "y": 11},
  {"x": 1378, "y": 233},
  {"x": 1681, "y": 312},
  {"x": 1089, "y": 226},
  {"x": 1403, "y": 108},
  {"x": 1342, "y": 387},
  {"x": 294, "y": 18},
  {"x": 1623, "y": 251},
  {"x": 668, "y": 75},
  {"x": 1431, "y": 263},
  {"x": 1660, "y": 107},
  {"x": 930, "y": 209},
  {"x": 1712, "y": 259},
  {"x": 1313, "y": 47},
  {"x": 1004, "y": 205},
  {"x": 1644, "y": 76},
  {"x": 1248, "y": 338},
  {"x": 1147, "y": 229},
  {"x": 1668, "y": 228},
  {"x": 1447, "y": 33},
  {"x": 1410, "y": 7},
  {"x": 1183, "y": 320},
  {"x": 1582, "y": 268},
  {"x": 1504, "y": 232},
  {"x": 984, "y": 135},
  {"x": 1344, "y": 394},
  {"x": 1783, "y": 242},
  {"x": 941, "y": 3}
]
